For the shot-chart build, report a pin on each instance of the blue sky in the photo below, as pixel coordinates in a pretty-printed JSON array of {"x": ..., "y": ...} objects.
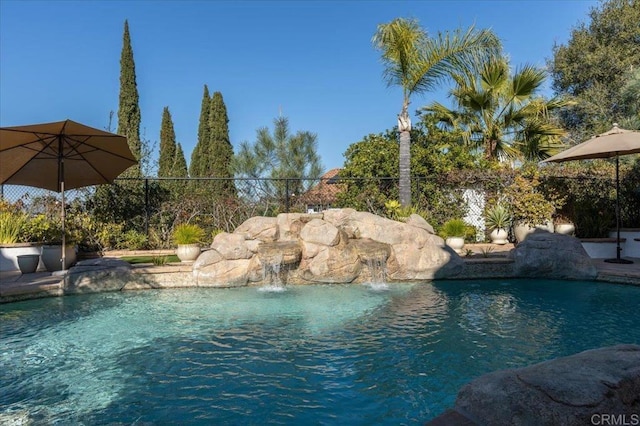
[{"x": 311, "y": 60}]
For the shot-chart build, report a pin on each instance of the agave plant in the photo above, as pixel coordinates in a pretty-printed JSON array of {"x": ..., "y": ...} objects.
[{"x": 497, "y": 217}]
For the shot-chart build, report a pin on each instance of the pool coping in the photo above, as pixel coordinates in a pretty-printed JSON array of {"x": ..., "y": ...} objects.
[{"x": 16, "y": 287}]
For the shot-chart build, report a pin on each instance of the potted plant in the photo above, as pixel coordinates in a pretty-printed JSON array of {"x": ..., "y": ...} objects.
[
  {"x": 531, "y": 210},
  {"x": 453, "y": 231},
  {"x": 15, "y": 253},
  {"x": 48, "y": 231},
  {"x": 563, "y": 225},
  {"x": 187, "y": 237},
  {"x": 497, "y": 218}
]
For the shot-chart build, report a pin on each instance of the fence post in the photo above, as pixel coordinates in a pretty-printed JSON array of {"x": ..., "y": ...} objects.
[
  {"x": 286, "y": 196},
  {"x": 146, "y": 207}
]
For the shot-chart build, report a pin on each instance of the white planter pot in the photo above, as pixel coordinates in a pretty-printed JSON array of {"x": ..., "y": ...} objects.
[
  {"x": 565, "y": 228},
  {"x": 499, "y": 236},
  {"x": 520, "y": 230},
  {"x": 188, "y": 252},
  {"x": 456, "y": 243},
  {"x": 52, "y": 257}
]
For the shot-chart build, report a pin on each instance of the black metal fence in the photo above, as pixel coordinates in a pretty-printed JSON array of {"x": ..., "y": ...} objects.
[{"x": 143, "y": 212}]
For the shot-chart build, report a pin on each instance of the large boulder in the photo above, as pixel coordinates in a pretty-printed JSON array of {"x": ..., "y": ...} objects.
[
  {"x": 231, "y": 246},
  {"x": 576, "y": 390},
  {"x": 337, "y": 264},
  {"x": 259, "y": 228},
  {"x": 320, "y": 232},
  {"x": 556, "y": 256}
]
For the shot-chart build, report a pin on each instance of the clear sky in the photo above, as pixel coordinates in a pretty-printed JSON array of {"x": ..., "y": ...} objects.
[{"x": 311, "y": 60}]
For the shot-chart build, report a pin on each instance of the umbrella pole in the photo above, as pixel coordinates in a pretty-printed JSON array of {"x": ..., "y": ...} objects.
[
  {"x": 61, "y": 180},
  {"x": 64, "y": 233},
  {"x": 618, "y": 259}
]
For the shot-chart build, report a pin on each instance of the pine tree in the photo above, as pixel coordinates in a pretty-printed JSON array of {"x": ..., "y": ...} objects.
[
  {"x": 198, "y": 161},
  {"x": 167, "y": 146},
  {"x": 129, "y": 109},
  {"x": 179, "y": 163}
]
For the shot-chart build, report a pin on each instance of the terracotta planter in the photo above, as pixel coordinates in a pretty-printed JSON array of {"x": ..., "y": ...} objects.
[
  {"x": 456, "y": 243},
  {"x": 52, "y": 257},
  {"x": 499, "y": 236},
  {"x": 28, "y": 263},
  {"x": 188, "y": 252}
]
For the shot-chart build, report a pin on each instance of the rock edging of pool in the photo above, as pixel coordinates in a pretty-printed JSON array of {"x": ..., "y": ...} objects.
[{"x": 585, "y": 388}]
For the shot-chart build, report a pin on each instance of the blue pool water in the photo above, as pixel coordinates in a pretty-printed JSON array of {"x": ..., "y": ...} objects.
[{"x": 347, "y": 354}]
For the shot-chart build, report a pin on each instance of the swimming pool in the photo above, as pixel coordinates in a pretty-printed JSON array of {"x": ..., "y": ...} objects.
[{"x": 340, "y": 354}]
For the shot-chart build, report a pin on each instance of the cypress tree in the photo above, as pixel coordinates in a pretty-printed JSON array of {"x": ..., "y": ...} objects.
[
  {"x": 179, "y": 163},
  {"x": 129, "y": 116},
  {"x": 167, "y": 145},
  {"x": 220, "y": 150},
  {"x": 197, "y": 167}
]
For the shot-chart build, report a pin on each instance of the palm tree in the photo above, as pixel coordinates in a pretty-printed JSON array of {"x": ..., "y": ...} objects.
[
  {"x": 418, "y": 63},
  {"x": 501, "y": 114}
]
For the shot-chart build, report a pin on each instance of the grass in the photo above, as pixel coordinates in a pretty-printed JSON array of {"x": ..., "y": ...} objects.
[{"x": 134, "y": 260}]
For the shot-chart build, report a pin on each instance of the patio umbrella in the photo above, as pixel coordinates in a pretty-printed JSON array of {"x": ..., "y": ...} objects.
[
  {"x": 61, "y": 155},
  {"x": 614, "y": 143}
]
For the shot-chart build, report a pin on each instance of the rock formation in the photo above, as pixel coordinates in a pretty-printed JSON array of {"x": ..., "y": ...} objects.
[
  {"x": 557, "y": 256},
  {"x": 575, "y": 390},
  {"x": 336, "y": 246}
]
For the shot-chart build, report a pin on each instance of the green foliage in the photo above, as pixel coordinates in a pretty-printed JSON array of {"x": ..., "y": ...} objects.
[
  {"x": 528, "y": 205},
  {"x": 370, "y": 162},
  {"x": 595, "y": 65},
  {"x": 454, "y": 228},
  {"x": 43, "y": 229},
  {"x": 501, "y": 114},
  {"x": 11, "y": 226},
  {"x": 133, "y": 240},
  {"x": 283, "y": 156},
  {"x": 179, "y": 163},
  {"x": 109, "y": 235},
  {"x": 197, "y": 167},
  {"x": 167, "y": 157},
  {"x": 497, "y": 216},
  {"x": 187, "y": 233},
  {"x": 124, "y": 202},
  {"x": 418, "y": 63},
  {"x": 129, "y": 116}
]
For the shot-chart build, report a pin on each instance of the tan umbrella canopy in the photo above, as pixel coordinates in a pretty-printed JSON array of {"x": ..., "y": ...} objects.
[
  {"x": 61, "y": 155},
  {"x": 614, "y": 143}
]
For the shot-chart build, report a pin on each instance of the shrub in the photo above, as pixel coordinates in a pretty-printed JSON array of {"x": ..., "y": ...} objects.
[
  {"x": 12, "y": 225},
  {"x": 134, "y": 240},
  {"x": 187, "y": 233}
]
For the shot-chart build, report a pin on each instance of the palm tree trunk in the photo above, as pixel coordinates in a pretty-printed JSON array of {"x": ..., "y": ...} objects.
[{"x": 405, "y": 170}]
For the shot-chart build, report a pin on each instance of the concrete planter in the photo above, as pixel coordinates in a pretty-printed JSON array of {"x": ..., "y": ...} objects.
[
  {"x": 188, "y": 252},
  {"x": 9, "y": 255},
  {"x": 565, "y": 228},
  {"x": 456, "y": 243},
  {"x": 28, "y": 263},
  {"x": 521, "y": 230},
  {"x": 52, "y": 257},
  {"x": 499, "y": 236}
]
